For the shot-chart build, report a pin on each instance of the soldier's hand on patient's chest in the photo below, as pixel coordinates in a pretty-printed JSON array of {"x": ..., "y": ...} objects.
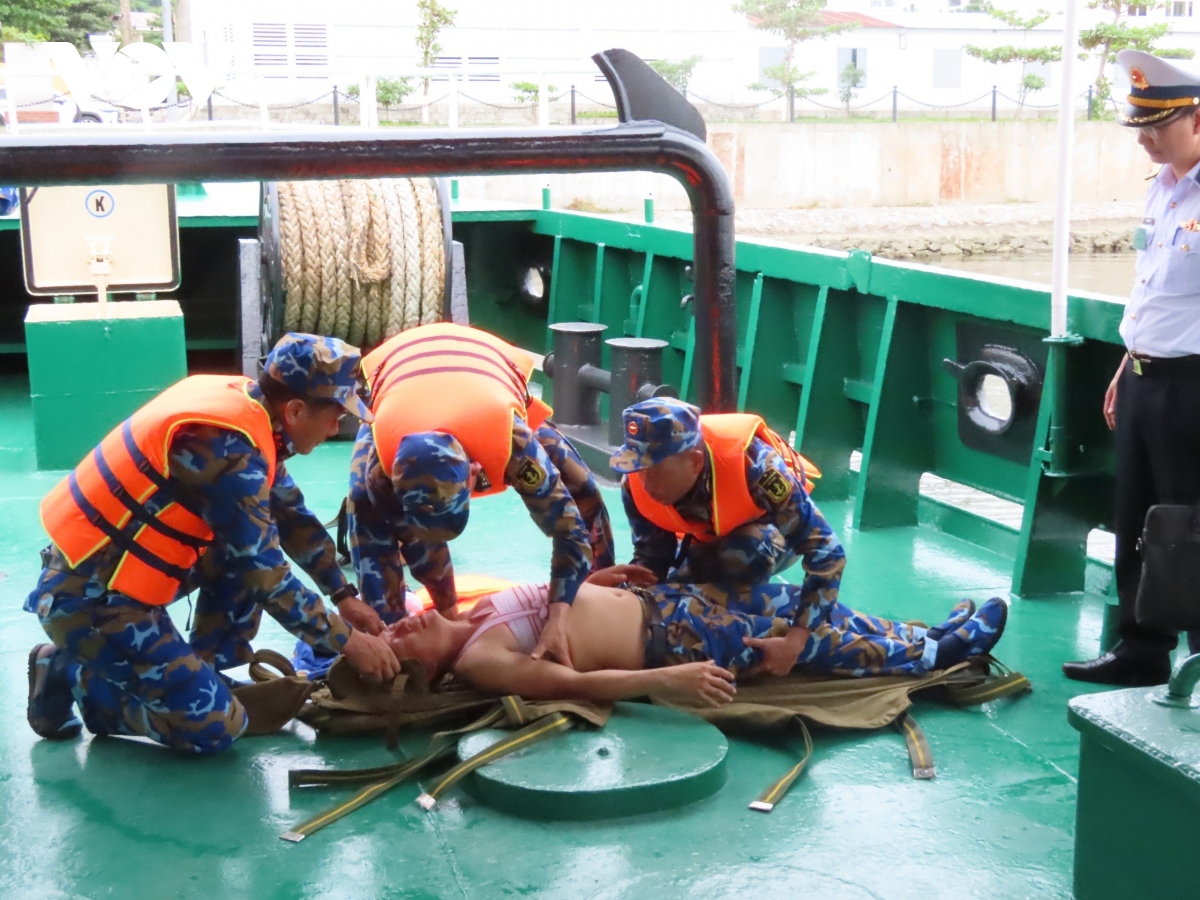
[
  {"x": 553, "y": 644},
  {"x": 615, "y": 576}
]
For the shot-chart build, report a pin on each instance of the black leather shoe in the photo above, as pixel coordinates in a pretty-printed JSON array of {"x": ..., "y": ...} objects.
[{"x": 1125, "y": 671}]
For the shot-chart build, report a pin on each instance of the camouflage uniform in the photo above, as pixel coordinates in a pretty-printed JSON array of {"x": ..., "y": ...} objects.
[
  {"x": 709, "y": 622},
  {"x": 791, "y": 527},
  {"x": 392, "y": 522},
  {"x": 131, "y": 671}
]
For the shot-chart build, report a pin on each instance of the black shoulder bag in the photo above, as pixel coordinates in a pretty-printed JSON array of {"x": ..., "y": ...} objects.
[{"x": 1169, "y": 593}]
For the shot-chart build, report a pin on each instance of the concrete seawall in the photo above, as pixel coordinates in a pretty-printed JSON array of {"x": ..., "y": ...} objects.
[{"x": 833, "y": 164}]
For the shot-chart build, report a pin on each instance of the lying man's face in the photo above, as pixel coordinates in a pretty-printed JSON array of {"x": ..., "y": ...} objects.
[{"x": 427, "y": 638}]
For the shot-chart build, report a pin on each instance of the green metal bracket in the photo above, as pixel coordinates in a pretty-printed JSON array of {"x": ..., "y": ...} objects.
[
  {"x": 858, "y": 267},
  {"x": 1061, "y": 450},
  {"x": 597, "y": 285},
  {"x": 639, "y": 299},
  {"x": 689, "y": 357},
  {"x": 898, "y": 446},
  {"x": 635, "y": 305},
  {"x": 1064, "y": 497},
  {"x": 746, "y": 352},
  {"x": 552, "y": 301},
  {"x": 832, "y": 356}
]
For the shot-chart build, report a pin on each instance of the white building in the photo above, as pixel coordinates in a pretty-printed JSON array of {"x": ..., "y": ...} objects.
[{"x": 299, "y": 48}]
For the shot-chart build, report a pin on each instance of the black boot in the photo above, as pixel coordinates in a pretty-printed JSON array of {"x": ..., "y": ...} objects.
[
  {"x": 1122, "y": 668},
  {"x": 50, "y": 709}
]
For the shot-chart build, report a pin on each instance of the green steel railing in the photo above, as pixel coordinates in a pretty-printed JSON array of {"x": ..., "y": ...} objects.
[{"x": 842, "y": 351}]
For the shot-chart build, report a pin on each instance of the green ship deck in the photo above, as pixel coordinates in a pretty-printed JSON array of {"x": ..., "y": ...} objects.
[{"x": 112, "y": 818}]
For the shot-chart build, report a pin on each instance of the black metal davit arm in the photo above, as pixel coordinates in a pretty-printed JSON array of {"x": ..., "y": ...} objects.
[{"x": 85, "y": 157}]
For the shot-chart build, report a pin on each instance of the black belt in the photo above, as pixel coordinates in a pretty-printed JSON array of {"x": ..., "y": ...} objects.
[
  {"x": 1164, "y": 366},
  {"x": 656, "y": 641}
]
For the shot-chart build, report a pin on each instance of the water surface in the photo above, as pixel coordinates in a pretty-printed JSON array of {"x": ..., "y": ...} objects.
[{"x": 1103, "y": 273}]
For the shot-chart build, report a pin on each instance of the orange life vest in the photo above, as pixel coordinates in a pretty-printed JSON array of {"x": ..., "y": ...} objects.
[
  {"x": 88, "y": 509},
  {"x": 726, "y": 437},
  {"x": 459, "y": 381}
]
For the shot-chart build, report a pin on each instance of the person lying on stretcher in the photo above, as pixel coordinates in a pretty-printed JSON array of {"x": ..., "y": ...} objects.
[{"x": 679, "y": 641}]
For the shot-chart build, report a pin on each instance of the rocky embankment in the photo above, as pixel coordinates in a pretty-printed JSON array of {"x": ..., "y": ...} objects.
[
  {"x": 975, "y": 243},
  {"x": 936, "y": 232}
]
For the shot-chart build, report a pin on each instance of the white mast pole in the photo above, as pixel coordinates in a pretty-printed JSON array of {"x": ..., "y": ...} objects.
[{"x": 1062, "y": 199}]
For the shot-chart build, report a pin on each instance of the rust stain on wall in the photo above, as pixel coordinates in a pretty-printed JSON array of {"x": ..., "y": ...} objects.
[
  {"x": 730, "y": 149},
  {"x": 950, "y": 180}
]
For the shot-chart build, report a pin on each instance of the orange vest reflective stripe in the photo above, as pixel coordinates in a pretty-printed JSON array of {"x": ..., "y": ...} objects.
[
  {"x": 90, "y": 508},
  {"x": 726, "y": 437},
  {"x": 459, "y": 381}
]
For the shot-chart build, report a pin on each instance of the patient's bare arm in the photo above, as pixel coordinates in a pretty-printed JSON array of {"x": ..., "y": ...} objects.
[{"x": 496, "y": 668}]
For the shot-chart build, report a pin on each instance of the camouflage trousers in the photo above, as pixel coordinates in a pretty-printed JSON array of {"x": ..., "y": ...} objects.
[
  {"x": 581, "y": 485},
  {"x": 705, "y": 621},
  {"x": 133, "y": 673}
]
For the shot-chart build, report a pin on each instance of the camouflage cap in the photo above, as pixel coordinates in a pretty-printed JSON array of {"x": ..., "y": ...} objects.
[
  {"x": 432, "y": 477},
  {"x": 320, "y": 368},
  {"x": 654, "y": 430}
]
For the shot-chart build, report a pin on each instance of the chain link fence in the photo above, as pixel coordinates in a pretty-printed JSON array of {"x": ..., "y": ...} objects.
[{"x": 336, "y": 106}]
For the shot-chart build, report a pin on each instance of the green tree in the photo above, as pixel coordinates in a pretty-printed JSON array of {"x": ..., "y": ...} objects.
[
  {"x": 1106, "y": 39},
  {"x": 677, "y": 73},
  {"x": 86, "y": 17},
  {"x": 796, "y": 21},
  {"x": 56, "y": 20},
  {"x": 850, "y": 79},
  {"x": 527, "y": 91},
  {"x": 32, "y": 20},
  {"x": 1030, "y": 84},
  {"x": 1023, "y": 54},
  {"x": 392, "y": 91},
  {"x": 432, "y": 17}
]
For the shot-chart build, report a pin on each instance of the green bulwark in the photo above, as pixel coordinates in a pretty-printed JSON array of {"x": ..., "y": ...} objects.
[
  {"x": 1139, "y": 797},
  {"x": 90, "y": 368}
]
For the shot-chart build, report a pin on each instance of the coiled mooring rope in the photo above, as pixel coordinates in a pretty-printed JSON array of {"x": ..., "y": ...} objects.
[{"x": 362, "y": 260}]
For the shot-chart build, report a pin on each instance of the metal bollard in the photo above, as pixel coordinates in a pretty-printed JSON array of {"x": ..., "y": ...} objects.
[
  {"x": 576, "y": 350},
  {"x": 578, "y": 379},
  {"x": 636, "y": 376}
]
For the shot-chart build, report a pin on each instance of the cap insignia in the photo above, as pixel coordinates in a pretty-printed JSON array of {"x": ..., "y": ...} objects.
[
  {"x": 632, "y": 428},
  {"x": 1138, "y": 79}
]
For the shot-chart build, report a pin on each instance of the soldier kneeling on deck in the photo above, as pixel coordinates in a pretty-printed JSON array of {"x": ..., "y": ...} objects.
[
  {"x": 720, "y": 499},
  {"x": 191, "y": 491}
]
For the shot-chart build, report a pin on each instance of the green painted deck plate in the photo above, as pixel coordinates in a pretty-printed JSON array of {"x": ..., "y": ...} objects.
[
  {"x": 1139, "y": 797},
  {"x": 108, "y": 818},
  {"x": 646, "y": 759}
]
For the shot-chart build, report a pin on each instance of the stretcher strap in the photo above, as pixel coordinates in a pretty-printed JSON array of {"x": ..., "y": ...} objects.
[
  {"x": 527, "y": 736},
  {"x": 264, "y": 660},
  {"x": 1010, "y": 684},
  {"x": 919, "y": 753},
  {"x": 383, "y": 778},
  {"x": 767, "y": 799}
]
